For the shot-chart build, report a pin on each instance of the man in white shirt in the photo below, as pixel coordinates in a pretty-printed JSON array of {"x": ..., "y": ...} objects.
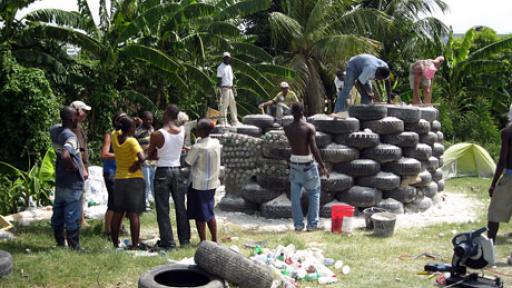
[{"x": 227, "y": 96}]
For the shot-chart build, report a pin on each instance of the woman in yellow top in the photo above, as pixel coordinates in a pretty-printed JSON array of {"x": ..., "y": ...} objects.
[{"x": 128, "y": 196}]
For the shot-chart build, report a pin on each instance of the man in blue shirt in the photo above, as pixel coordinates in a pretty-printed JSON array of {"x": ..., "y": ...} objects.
[
  {"x": 360, "y": 70},
  {"x": 69, "y": 180}
]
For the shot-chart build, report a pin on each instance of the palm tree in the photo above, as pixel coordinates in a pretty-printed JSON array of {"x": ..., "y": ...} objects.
[{"x": 314, "y": 37}]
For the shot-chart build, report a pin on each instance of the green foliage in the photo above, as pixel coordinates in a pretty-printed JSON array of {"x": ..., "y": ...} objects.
[{"x": 28, "y": 107}]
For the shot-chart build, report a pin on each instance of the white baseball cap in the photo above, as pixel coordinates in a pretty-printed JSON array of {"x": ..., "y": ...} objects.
[
  {"x": 226, "y": 54},
  {"x": 284, "y": 84},
  {"x": 80, "y": 105}
]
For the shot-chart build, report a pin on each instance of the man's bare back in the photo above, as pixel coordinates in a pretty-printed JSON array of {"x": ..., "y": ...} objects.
[{"x": 299, "y": 134}]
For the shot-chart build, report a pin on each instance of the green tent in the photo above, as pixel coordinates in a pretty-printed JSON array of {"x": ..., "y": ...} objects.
[{"x": 467, "y": 159}]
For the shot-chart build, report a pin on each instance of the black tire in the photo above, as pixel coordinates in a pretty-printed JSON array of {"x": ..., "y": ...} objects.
[
  {"x": 359, "y": 140},
  {"x": 405, "y": 194},
  {"x": 286, "y": 120},
  {"x": 272, "y": 167},
  {"x": 421, "y": 152},
  {"x": 325, "y": 197},
  {"x": 383, "y": 153},
  {"x": 437, "y": 150},
  {"x": 403, "y": 167},
  {"x": 440, "y": 136},
  {"x": 5, "y": 263},
  {"x": 368, "y": 112},
  {"x": 281, "y": 207},
  {"x": 179, "y": 275},
  {"x": 360, "y": 196},
  {"x": 336, "y": 182},
  {"x": 425, "y": 179},
  {"x": 382, "y": 181},
  {"x": 404, "y": 113},
  {"x": 276, "y": 153},
  {"x": 336, "y": 126},
  {"x": 429, "y": 138},
  {"x": 440, "y": 185},
  {"x": 420, "y": 127},
  {"x": 250, "y": 130},
  {"x": 359, "y": 167},
  {"x": 254, "y": 193},
  {"x": 277, "y": 183},
  {"x": 419, "y": 205},
  {"x": 429, "y": 114},
  {"x": 429, "y": 190},
  {"x": 404, "y": 139},
  {"x": 237, "y": 204},
  {"x": 437, "y": 175},
  {"x": 432, "y": 164},
  {"x": 337, "y": 153},
  {"x": 322, "y": 139},
  {"x": 234, "y": 267},
  {"x": 262, "y": 121},
  {"x": 391, "y": 205},
  {"x": 387, "y": 125},
  {"x": 436, "y": 126}
]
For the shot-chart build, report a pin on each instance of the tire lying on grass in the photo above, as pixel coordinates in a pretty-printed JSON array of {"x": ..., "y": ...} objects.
[
  {"x": 405, "y": 113},
  {"x": 403, "y": 167},
  {"x": 387, "y": 125},
  {"x": 406, "y": 194},
  {"x": 420, "y": 127},
  {"x": 368, "y": 112},
  {"x": 254, "y": 193},
  {"x": 336, "y": 126},
  {"x": 404, "y": 139},
  {"x": 178, "y": 275},
  {"x": 281, "y": 207},
  {"x": 391, "y": 205},
  {"x": 381, "y": 181},
  {"x": 5, "y": 263},
  {"x": 260, "y": 120},
  {"x": 382, "y": 153},
  {"x": 359, "y": 167},
  {"x": 420, "y": 152},
  {"x": 337, "y": 153},
  {"x": 359, "y": 140},
  {"x": 237, "y": 204},
  {"x": 418, "y": 205},
  {"x": 360, "y": 196}
]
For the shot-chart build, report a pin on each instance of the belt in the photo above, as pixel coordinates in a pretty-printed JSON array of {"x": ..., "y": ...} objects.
[
  {"x": 226, "y": 87},
  {"x": 303, "y": 164},
  {"x": 170, "y": 167}
]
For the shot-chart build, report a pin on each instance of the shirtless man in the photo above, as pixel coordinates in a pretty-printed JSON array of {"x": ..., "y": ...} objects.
[
  {"x": 303, "y": 168},
  {"x": 500, "y": 208}
]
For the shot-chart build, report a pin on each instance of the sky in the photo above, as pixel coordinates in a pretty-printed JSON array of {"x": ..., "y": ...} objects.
[{"x": 462, "y": 14}]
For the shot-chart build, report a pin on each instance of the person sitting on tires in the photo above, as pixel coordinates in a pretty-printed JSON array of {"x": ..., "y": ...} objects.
[
  {"x": 421, "y": 73},
  {"x": 282, "y": 102},
  {"x": 204, "y": 161},
  {"x": 361, "y": 69}
]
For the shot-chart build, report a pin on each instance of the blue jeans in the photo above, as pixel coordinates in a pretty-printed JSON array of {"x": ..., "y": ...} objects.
[
  {"x": 67, "y": 209},
  {"x": 350, "y": 81},
  {"x": 305, "y": 176},
  {"x": 148, "y": 171}
]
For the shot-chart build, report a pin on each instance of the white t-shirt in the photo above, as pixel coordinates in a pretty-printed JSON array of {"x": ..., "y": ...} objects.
[
  {"x": 338, "y": 83},
  {"x": 226, "y": 73}
]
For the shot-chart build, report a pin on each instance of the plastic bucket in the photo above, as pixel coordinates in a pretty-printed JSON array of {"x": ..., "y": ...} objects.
[
  {"x": 384, "y": 224},
  {"x": 368, "y": 212},
  {"x": 341, "y": 218}
]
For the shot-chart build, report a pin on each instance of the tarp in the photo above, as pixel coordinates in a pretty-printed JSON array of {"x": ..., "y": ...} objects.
[{"x": 467, "y": 159}]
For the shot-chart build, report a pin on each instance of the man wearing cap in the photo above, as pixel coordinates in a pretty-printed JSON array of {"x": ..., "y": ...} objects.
[
  {"x": 421, "y": 73},
  {"x": 283, "y": 101},
  {"x": 82, "y": 110},
  {"x": 225, "y": 78}
]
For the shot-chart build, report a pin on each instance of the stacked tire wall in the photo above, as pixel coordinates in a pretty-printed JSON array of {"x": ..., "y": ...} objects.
[{"x": 381, "y": 156}]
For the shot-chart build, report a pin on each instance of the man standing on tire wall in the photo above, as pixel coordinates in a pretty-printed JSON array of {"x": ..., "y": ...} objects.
[
  {"x": 303, "y": 169},
  {"x": 225, "y": 79}
]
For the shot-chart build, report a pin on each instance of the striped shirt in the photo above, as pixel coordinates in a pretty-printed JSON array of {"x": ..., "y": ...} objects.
[{"x": 204, "y": 159}]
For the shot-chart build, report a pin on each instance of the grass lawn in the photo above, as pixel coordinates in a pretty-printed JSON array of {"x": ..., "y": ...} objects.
[{"x": 374, "y": 262}]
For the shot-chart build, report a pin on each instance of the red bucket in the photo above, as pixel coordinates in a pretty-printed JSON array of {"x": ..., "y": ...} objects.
[{"x": 341, "y": 218}]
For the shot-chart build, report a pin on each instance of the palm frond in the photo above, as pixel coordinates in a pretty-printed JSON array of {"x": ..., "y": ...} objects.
[
  {"x": 150, "y": 55},
  {"x": 196, "y": 77},
  {"x": 39, "y": 58},
  {"x": 247, "y": 81},
  {"x": 340, "y": 47},
  {"x": 476, "y": 67},
  {"x": 284, "y": 29},
  {"x": 104, "y": 18},
  {"x": 275, "y": 70},
  {"x": 371, "y": 23},
  {"x": 492, "y": 49},
  {"x": 67, "y": 35},
  {"x": 139, "y": 98},
  {"x": 223, "y": 28},
  {"x": 463, "y": 51},
  {"x": 187, "y": 13},
  {"x": 243, "y": 9},
  {"x": 246, "y": 49},
  {"x": 241, "y": 66},
  {"x": 56, "y": 16}
]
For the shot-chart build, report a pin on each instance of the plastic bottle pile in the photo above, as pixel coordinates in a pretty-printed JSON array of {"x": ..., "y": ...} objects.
[{"x": 381, "y": 156}]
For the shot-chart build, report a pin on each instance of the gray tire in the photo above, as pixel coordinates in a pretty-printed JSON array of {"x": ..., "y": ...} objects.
[
  {"x": 404, "y": 113},
  {"x": 236, "y": 204},
  {"x": 391, "y": 205},
  {"x": 234, "y": 267},
  {"x": 425, "y": 179},
  {"x": 272, "y": 167},
  {"x": 421, "y": 152},
  {"x": 250, "y": 130},
  {"x": 419, "y": 205},
  {"x": 262, "y": 121},
  {"x": 436, "y": 126},
  {"x": 336, "y": 182},
  {"x": 387, "y": 125},
  {"x": 325, "y": 197},
  {"x": 276, "y": 153},
  {"x": 429, "y": 190},
  {"x": 368, "y": 112},
  {"x": 440, "y": 185},
  {"x": 381, "y": 181},
  {"x": 432, "y": 164},
  {"x": 403, "y": 167},
  {"x": 437, "y": 175},
  {"x": 179, "y": 275},
  {"x": 404, "y": 139},
  {"x": 359, "y": 167},
  {"x": 337, "y": 153},
  {"x": 322, "y": 139},
  {"x": 5, "y": 263},
  {"x": 383, "y": 153},
  {"x": 336, "y": 126},
  {"x": 277, "y": 183},
  {"x": 254, "y": 193},
  {"x": 281, "y": 207},
  {"x": 286, "y": 120},
  {"x": 405, "y": 194},
  {"x": 359, "y": 140},
  {"x": 440, "y": 136},
  {"x": 360, "y": 196},
  {"x": 429, "y": 114},
  {"x": 420, "y": 127},
  {"x": 429, "y": 138},
  {"x": 437, "y": 150}
]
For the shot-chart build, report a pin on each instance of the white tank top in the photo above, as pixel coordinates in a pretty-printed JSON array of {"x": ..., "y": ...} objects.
[{"x": 169, "y": 154}]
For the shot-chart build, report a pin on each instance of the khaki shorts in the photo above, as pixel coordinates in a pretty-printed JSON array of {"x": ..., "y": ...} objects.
[
  {"x": 500, "y": 209},
  {"x": 423, "y": 83}
]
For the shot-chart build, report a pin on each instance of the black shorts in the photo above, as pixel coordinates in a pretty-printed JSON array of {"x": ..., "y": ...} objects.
[
  {"x": 200, "y": 204},
  {"x": 109, "y": 183},
  {"x": 129, "y": 196}
]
